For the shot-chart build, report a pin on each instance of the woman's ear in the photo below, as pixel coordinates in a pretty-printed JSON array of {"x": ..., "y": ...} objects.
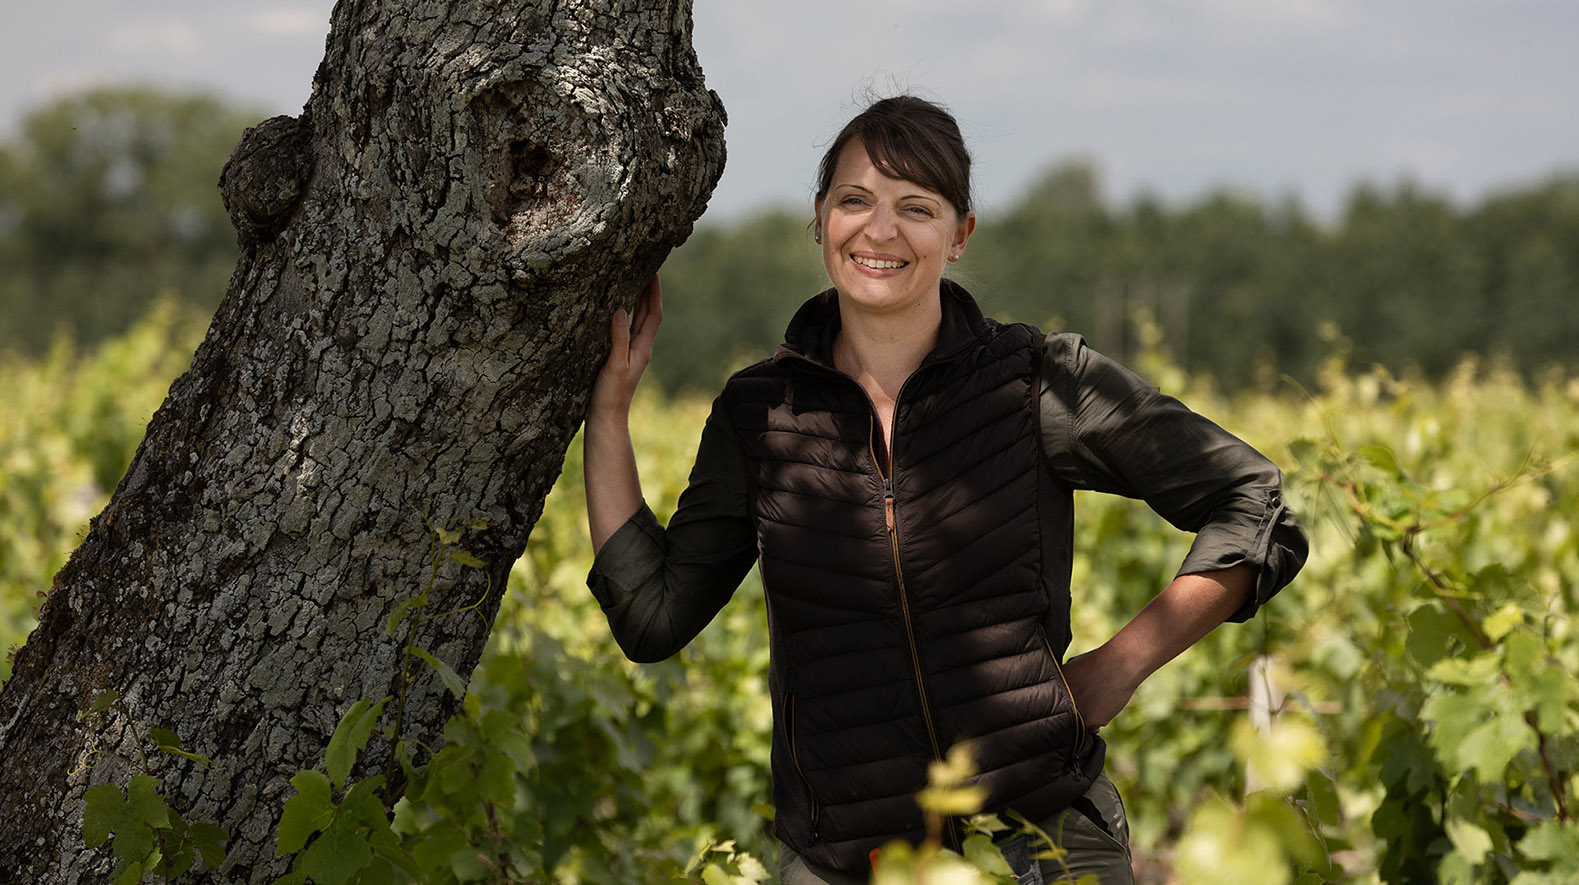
[
  {"x": 816, "y": 219},
  {"x": 967, "y": 226}
]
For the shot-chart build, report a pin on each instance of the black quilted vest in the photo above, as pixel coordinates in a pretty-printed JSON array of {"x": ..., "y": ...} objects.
[{"x": 888, "y": 648}]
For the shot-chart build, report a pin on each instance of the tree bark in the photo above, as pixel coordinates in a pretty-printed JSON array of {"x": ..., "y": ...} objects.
[{"x": 431, "y": 252}]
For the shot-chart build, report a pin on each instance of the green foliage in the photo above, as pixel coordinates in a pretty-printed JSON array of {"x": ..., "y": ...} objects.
[
  {"x": 1429, "y": 728},
  {"x": 150, "y": 837},
  {"x": 1474, "y": 721},
  {"x": 949, "y": 793},
  {"x": 339, "y": 841},
  {"x": 569, "y": 763},
  {"x": 952, "y": 793},
  {"x": 351, "y": 838},
  {"x": 350, "y": 738},
  {"x": 72, "y": 422},
  {"x": 722, "y": 863}
]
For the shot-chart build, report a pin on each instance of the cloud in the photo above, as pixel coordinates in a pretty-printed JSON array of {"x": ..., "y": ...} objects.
[
  {"x": 1141, "y": 89},
  {"x": 1488, "y": 106},
  {"x": 162, "y": 38},
  {"x": 1020, "y": 11},
  {"x": 1288, "y": 17},
  {"x": 1132, "y": 27},
  {"x": 1428, "y": 158},
  {"x": 291, "y": 21}
]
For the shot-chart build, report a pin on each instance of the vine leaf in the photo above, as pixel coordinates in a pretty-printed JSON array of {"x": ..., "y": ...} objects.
[
  {"x": 336, "y": 855},
  {"x": 350, "y": 737},
  {"x": 144, "y": 805},
  {"x": 1382, "y": 458},
  {"x": 130, "y": 874},
  {"x": 452, "y": 680},
  {"x": 101, "y": 702},
  {"x": 169, "y": 742},
  {"x": 132, "y": 816},
  {"x": 307, "y": 812},
  {"x": 1471, "y": 840},
  {"x": 209, "y": 839},
  {"x": 106, "y": 808}
]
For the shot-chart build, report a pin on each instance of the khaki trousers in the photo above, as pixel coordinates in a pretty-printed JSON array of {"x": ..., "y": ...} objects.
[{"x": 1102, "y": 850}]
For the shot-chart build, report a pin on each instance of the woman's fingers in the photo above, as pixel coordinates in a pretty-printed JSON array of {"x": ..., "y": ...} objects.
[
  {"x": 631, "y": 337},
  {"x": 649, "y": 314},
  {"x": 644, "y": 325},
  {"x": 620, "y": 331}
]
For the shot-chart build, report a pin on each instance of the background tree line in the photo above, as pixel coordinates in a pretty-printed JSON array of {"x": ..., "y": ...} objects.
[{"x": 108, "y": 203}]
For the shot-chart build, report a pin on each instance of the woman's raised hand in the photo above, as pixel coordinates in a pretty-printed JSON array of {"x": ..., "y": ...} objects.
[
  {"x": 609, "y": 464},
  {"x": 631, "y": 339}
]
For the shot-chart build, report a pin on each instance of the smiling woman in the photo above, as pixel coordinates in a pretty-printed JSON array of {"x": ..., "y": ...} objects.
[
  {"x": 888, "y": 215},
  {"x": 884, "y": 240},
  {"x": 902, "y": 469}
]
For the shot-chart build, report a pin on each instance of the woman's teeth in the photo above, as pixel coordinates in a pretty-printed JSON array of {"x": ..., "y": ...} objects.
[{"x": 877, "y": 263}]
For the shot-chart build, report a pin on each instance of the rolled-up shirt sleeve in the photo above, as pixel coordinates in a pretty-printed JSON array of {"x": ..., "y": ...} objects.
[
  {"x": 1106, "y": 429},
  {"x": 660, "y": 586}
]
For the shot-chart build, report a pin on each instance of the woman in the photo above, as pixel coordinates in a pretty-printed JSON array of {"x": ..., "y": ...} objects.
[{"x": 903, "y": 469}]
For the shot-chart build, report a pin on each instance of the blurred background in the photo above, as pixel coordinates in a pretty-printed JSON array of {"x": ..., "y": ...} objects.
[{"x": 1260, "y": 179}]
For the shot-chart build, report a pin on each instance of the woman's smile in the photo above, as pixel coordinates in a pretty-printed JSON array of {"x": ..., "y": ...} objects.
[
  {"x": 885, "y": 240},
  {"x": 877, "y": 264}
]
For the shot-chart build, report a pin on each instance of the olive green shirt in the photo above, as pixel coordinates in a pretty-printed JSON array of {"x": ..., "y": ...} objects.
[{"x": 1103, "y": 429}]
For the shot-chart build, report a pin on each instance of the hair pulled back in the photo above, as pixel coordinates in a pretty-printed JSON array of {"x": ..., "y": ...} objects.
[{"x": 908, "y": 138}]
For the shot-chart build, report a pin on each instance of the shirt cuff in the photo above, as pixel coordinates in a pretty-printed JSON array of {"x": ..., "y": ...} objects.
[
  {"x": 628, "y": 559},
  {"x": 1272, "y": 544}
]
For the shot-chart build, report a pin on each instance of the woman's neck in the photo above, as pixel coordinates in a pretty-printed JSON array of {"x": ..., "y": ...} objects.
[{"x": 881, "y": 350}]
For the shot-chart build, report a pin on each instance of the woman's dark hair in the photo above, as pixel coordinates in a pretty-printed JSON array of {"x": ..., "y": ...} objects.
[{"x": 909, "y": 138}]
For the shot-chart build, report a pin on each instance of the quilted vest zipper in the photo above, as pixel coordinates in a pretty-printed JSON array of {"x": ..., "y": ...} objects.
[
  {"x": 789, "y": 729},
  {"x": 904, "y": 596}
]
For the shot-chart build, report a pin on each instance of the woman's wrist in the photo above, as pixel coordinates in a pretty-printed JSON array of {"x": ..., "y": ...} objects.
[
  {"x": 607, "y": 418},
  {"x": 1125, "y": 664}
]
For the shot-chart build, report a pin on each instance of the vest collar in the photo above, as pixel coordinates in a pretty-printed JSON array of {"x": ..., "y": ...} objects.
[{"x": 816, "y": 324}]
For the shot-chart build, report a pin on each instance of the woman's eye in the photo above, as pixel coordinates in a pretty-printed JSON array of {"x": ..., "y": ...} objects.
[
  {"x": 853, "y": 201},
  {"x": 920, "y": 211}
]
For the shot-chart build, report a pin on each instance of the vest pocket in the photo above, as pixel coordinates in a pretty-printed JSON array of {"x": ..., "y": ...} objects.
[
  {"x": 794, "y": 748},
  {"x": 1082, "y": 734}
]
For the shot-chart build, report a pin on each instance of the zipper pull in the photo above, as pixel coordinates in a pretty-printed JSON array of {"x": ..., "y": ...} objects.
[{"x": 888, "y": 503}]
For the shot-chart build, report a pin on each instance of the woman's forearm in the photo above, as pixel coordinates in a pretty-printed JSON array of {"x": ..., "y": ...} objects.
[
  {"x": 1180, "y": 616},
  {"x": 608, "y": 459},
  {"x": 1103, "y": 679},
  {"x": 609, "y": 468}
]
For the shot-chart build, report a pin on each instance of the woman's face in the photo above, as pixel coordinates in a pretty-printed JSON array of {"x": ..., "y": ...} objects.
[{"x": 885, "y": 241}]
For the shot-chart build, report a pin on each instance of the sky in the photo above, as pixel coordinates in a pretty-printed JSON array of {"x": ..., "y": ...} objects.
[{"x": 1171, "y": 97}]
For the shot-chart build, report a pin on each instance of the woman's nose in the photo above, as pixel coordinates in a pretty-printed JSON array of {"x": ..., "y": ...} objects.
[{"x": 880, "y": 224}]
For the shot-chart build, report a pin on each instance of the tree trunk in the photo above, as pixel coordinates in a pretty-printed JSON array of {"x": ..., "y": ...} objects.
[{"x": 431, "y": 253}]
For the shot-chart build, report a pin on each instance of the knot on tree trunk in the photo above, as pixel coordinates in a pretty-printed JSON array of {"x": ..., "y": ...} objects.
[{"x": 265, "y": 177}]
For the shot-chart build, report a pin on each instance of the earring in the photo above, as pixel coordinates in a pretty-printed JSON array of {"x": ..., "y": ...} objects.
[
  {"x": 817, "y": 237},
  {"x": 954, "y": 257}
]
